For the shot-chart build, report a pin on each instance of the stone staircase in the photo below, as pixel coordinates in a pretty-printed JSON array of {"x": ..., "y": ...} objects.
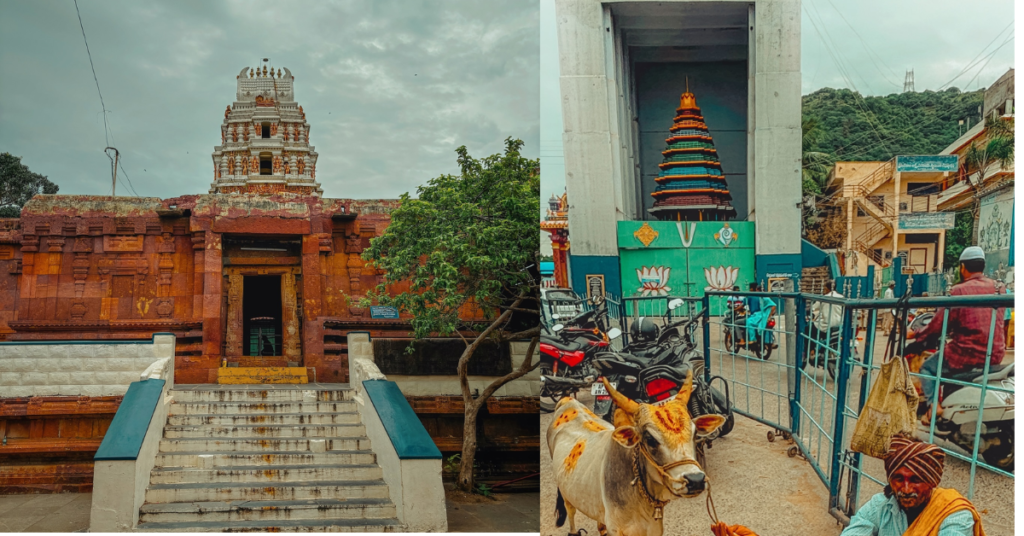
[{"x": 266, "y": 458}]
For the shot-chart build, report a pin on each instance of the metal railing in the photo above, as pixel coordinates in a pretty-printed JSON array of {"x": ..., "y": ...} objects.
[{"x": 815, "y": 383}]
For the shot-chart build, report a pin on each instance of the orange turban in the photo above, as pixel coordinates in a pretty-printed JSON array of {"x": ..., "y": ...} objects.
[{"x": 924, "y": 459}]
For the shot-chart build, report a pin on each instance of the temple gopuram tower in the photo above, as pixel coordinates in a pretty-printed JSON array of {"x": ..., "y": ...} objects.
[
  {"x": 265, "y": 139},
  {"x": 691, "y": 185}
]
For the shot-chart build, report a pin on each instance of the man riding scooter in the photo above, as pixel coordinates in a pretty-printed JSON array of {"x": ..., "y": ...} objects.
[{"x": 969, "y": 329}]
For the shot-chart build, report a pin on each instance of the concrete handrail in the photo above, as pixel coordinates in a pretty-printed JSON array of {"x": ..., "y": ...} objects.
[
  {"x": 411, "y": 467},
  {"x": 127, "y": 455},
  {"x": 128, "y": 452}
]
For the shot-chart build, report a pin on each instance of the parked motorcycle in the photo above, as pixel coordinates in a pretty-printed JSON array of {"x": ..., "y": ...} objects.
[
  {"x": 956, "y": 425},
  {"x": 819, "y": 357},
  {"x": 656, "y": 376},
  {"x": 566, "y": 361}
]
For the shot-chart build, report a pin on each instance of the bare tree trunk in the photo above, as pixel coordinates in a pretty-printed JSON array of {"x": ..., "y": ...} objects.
[
  {"x": 467, "y": 480},
  {"x": 976, "y": 213}
]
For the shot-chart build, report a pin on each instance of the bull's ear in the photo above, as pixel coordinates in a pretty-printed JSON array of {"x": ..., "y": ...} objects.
[
  {"x": 627, "y": 436},
  {"x": 707, "y": 424}
]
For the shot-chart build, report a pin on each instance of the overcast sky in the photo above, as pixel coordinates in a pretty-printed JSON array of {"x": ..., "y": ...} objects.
[
  {"x": 390, "y": 88},
  {"x": 874, "y": 42}
]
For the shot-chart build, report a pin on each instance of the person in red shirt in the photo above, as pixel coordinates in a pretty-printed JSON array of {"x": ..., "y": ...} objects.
[{"x": 969, "y": 328}]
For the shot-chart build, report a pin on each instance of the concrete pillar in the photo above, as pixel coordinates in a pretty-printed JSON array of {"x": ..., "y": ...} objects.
[{"x": 896, "y": 219}]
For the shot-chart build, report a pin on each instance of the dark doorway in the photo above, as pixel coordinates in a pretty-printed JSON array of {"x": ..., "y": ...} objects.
[
  {"x": 266, "y": 165},
  {"x": 261, "y": 315},
  {"x": 265, "y": 130}
]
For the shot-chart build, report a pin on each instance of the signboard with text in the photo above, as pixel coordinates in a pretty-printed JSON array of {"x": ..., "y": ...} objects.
[
  {"x": 383, "y": 311},
  {"x": 927, "y": 220},
  {"x": 927, "y": 163}
]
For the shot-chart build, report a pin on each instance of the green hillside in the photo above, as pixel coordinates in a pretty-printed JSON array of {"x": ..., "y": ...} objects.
[{"x": 852, "y": 127}]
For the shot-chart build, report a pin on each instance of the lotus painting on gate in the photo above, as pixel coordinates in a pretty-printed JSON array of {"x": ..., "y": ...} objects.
[
  {"x": 721, "y": 278},
  {"x": 654, "y": 280}
]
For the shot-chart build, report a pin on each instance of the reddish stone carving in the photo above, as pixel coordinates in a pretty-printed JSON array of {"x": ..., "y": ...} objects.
[
  {"x": 231, "y": 164},
  {"x": 245, "y": 162},
  {"x": 245, "y": 132},
  {"x": 301, "y": 165},
  {"x": 227, "y": 111},
  {"x": 287, "y": 167},
  {"x": 259, "y": 129},
  {"x": 122, "y": 243},
  {"x": 277, "y": 165},
  {"x": 234, "y": 132},
  {"x": 254, "y": 165},
  {"x": 273, "y": 129}
]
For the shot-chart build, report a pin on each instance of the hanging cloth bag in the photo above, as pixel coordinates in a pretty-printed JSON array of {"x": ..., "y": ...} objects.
[{"x": 891, "y": 407}]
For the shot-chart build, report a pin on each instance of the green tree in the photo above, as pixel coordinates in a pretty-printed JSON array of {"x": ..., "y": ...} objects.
[
  {"x": 816, "y": 164},
  {"x": 468, "y": 243},
  {"x": 958, "y": 238},
  {"x": 18, "y": 184}
]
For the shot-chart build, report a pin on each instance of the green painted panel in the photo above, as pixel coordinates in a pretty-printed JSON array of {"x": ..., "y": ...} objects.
[
  {"x": 708, "y": 234},
  {"x": 654, "y": 272},
  {"x": 685, "y": 258}
]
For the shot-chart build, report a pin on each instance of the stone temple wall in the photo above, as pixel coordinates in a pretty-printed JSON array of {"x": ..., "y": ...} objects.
[{"x": 90, "y": 267}]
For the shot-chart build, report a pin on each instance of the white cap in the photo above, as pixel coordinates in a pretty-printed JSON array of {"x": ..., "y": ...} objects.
[{"x": 972, "y": 253}]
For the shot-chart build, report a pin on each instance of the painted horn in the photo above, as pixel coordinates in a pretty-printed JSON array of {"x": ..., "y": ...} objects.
[
  {"x": 624, "y": 403},
  {"x": 683, "y": 397}
]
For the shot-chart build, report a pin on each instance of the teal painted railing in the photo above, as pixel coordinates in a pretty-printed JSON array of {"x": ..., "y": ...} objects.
[
  {"x": 409, "y": 437},
  {"x": 123, "y": 439}
]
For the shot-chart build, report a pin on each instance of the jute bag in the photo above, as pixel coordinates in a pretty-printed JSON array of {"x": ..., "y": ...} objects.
[{"x": 891, "y": 407}]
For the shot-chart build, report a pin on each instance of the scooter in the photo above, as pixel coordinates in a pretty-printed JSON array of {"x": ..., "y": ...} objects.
[
  {"x": 761, "y": 345},
  {"x": 956, "y": 426}
]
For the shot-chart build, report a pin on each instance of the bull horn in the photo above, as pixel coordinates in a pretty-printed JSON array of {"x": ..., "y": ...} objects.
[
  {"x": 624, "y": 403},
  {"x": 683, "y": 397}
]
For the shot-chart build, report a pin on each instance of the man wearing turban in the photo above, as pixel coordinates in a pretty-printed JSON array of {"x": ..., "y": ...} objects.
[{"x": 912, "y": 505}]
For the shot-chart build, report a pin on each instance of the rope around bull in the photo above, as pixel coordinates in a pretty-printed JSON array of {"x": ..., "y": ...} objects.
[{"x": 639, "y": 477}]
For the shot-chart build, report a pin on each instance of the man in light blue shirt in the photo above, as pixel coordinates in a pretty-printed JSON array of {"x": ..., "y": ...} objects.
[{"x": 912, "y": 505}]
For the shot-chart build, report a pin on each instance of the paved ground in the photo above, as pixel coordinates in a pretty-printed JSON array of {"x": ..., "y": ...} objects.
[
  {"x": 754, "y": 483},
  {"x": 61, "y": 512},
  {"x": 507, "y": 512}
]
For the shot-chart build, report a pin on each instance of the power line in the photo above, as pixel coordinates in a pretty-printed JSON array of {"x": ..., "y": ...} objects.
[
  {"x": 95, "y": 79},
  {"x": 975, "y": 59},
  {"x": 106, "y": 129}
]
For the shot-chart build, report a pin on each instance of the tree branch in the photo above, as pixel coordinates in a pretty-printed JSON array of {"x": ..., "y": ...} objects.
[
  {"x": 524, "y": 369},
  {"x": 463, "y": 367}
]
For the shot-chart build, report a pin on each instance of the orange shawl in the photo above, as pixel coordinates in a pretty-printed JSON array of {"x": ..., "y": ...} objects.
[{"x": 943, "y": 503}]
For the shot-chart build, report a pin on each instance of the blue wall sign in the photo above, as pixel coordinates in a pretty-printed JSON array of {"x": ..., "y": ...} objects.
[
  {"x": 927, "y": 163},
  {"x": 383, "y": 311}
]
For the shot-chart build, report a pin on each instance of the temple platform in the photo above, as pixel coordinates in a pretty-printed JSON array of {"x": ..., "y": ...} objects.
[{"x": 261, "y": 375}]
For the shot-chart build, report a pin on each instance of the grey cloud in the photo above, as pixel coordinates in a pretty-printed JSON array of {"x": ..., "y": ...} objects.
[{"x": 389, "y": 88}]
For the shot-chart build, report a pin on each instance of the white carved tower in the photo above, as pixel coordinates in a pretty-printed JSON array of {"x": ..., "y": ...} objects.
[{"x": 265, "y": 139}]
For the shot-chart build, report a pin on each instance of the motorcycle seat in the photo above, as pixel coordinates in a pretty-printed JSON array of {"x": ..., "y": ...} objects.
[
  {"x": 563, "y": 345},
  {"x": 976, "y": 375}
]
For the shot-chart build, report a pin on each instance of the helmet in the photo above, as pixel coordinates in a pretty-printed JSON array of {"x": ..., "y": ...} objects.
[{"x": 644, "y": 329}]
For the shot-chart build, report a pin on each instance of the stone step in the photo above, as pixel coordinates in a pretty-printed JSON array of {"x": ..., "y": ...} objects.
[
  {"x": 264, "y": 459},
  {"x": 280, "y": 491},
  {"x": 323, "y": 510},
  {"x": 261, "y": 395},
  {"x": 261, "y": 375},
  {"x": 263, "y": 408},
  {"x": 274, "y": 473},
  {"x": 270, "y": 419},
  {"x": 297, "y": 525},
  {"x": 257, "y": 445},
  {"x": 268, "y": 431}
]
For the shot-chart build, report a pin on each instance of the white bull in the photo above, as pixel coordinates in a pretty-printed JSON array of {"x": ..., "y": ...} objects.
[{"x": 623, "y": 475}]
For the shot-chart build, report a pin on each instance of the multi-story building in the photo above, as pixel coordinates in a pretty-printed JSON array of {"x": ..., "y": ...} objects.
[
  {"x": 988, "y": 192},
  {"x": 892, "y": 209}
]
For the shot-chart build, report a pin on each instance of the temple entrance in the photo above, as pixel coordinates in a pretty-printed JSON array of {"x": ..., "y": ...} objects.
[{"x": 261, "y": 316}]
